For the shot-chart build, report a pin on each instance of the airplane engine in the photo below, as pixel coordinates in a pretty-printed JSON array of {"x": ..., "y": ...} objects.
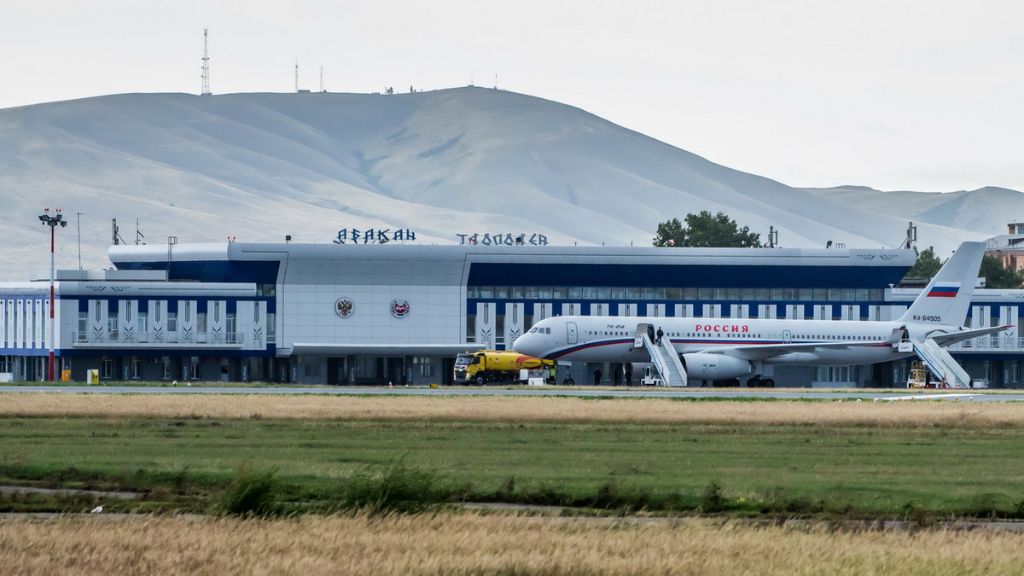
[{"x": 704, "y": 366}]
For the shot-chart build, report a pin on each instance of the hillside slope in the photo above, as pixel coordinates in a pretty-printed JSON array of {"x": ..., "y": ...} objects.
[{"x": 260, "y": 166}]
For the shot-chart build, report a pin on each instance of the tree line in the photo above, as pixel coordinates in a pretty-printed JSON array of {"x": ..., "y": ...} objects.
[
  {"x": 996, "y": 275},
  {"x": 707, "y": 230}
]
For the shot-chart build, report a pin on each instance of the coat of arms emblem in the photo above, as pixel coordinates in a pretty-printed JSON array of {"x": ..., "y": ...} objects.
[
  {"x": 400, "y": 308},
  {"x": 344, "y": 307}
]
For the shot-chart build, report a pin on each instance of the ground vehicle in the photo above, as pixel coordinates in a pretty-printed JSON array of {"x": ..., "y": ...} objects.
[
  {"x": 486, "y": 366},
  {"x": 651, "y": 377}
]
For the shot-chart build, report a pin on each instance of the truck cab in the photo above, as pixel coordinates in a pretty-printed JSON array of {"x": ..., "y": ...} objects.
[{"x": 462, "y": 371}]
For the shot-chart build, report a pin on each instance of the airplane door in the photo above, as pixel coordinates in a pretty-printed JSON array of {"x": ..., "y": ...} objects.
[
  {"x": 571, "y": 335},
  {"x": 787, "y": 336}
]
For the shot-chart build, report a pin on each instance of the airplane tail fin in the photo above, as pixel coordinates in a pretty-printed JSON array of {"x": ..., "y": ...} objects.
[{"x": 948, "y": 295}]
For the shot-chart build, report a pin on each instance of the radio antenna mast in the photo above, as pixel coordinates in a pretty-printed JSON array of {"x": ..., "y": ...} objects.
[
  {"x": 78, "y": 227},
  {"x": 116, "y": 233},
  {"x": 206, "y": 66}
]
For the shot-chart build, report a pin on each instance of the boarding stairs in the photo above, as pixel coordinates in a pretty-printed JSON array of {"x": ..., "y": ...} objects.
[
  {"x": 663, "y": 356},
  {"x": 942, "y": 365}
]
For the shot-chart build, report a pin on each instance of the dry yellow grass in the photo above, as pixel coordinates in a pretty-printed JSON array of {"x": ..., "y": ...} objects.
[
  {"x": 556, "y": 409},
  {"x": 475, "y": 544}
]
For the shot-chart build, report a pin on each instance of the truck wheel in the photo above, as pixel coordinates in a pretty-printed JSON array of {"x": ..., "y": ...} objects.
[
  {"x": 768, "y": 383},
  {"x": 480, "y": 381}
]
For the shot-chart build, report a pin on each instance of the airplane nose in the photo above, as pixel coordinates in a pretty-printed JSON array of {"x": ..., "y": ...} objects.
[
  {"x": 522, "y": 345},
  {"x": 516, "y": 345}
]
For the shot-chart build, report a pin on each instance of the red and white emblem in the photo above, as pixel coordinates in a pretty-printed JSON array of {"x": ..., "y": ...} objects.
[{"x": 400, "y": 308}]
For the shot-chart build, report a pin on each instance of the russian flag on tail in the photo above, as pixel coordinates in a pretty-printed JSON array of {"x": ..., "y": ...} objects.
[{"x": 944, "y": 290}]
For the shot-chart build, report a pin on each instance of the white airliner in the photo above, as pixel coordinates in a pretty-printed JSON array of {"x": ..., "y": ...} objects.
[{"x": 722, "y": 349}]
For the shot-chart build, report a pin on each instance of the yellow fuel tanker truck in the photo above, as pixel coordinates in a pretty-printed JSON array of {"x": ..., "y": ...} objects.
[{"x": 486, "y": 366}]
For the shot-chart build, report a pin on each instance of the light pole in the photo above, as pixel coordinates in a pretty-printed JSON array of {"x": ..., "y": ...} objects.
[{"x": 54, "y": 220}]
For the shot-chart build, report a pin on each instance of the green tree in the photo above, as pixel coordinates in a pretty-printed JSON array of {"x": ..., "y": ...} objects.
[
  {"x": 670, "y": 233},
  {"x": 927, "y": 264},
  {"x": 706, "y": 230},
  {"x": 998, "y": 276}
]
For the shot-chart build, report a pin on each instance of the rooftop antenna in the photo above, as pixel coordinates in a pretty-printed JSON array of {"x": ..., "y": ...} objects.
[
  {"x": 495, "y": 81},
  {"x": 296, "y": 75},
  {"x": 911, "y": 239},
  {"x": 171, "y": 241},
  {"x": 322, "y": 79},
  {"x": 139, "y": 236},
  {"x": 78, "y": 226},
  {"x": 206, "y": 66},
  {"x": 116, "y": 233}
]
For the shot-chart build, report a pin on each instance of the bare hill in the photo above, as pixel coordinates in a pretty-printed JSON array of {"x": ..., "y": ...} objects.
[{"x": 260, "y": 166}]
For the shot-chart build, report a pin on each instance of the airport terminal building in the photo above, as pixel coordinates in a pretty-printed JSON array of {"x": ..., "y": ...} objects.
[{"x": 346, "y": 314}]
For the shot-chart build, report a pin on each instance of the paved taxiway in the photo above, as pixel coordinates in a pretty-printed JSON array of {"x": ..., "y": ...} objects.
[{"x": 966, "y": 395}]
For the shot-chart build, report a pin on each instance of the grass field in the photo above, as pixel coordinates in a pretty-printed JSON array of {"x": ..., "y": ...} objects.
[
  {"x": 834, "y": 458},
  {"x": 474, "y": 544},
  {"x": 520, "y": 409}
]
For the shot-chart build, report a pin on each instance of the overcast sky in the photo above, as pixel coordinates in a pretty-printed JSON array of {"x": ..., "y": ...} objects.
[{"x": 924, "y": 95}]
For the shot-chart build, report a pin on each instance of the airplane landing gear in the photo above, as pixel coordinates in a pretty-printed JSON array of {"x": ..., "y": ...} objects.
[{"x": 758, "y": 382}]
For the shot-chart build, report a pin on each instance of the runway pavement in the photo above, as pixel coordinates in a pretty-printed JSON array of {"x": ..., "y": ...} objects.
[{"x": 744, "y": 393}]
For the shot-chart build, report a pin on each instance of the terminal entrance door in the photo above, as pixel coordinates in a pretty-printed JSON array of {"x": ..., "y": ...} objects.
[
  {"x": 447, "y": 370},
  {"x": 572, "y": 334},
  {"x": 394, "y": 370},
  {"x": 337, "y": 371}
]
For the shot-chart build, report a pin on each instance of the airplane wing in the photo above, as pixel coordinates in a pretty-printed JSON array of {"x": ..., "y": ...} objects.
[
  {"x": 947, "y": 339},
  {"x": 764, "y": 351}
]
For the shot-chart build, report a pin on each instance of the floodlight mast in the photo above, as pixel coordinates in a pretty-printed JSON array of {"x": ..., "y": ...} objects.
[{"x": 52, "y": 220}]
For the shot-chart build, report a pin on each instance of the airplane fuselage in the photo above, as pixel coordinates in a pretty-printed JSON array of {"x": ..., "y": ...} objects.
[
  {"x": 720, "y": 348},
  {"x": 612, "y": 338}
]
